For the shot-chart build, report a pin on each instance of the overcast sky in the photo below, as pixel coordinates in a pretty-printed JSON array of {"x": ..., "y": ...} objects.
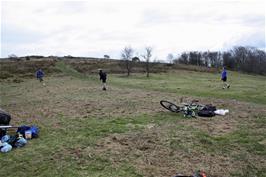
[{"x": 97, "y": 27}]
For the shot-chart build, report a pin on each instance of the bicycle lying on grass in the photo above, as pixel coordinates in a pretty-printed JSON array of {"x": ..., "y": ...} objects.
[{"x": 188, "y": 109}]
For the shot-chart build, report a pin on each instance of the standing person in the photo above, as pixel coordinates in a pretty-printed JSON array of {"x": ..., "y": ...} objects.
[
  {"x": 40, "y": 75},
  {"x": 224, "y": 78},
  {"x": 103, "y": 77}
]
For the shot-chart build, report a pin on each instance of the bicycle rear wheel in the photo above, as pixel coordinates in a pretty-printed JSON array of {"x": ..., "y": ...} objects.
[{"x": 170, "y": 106}]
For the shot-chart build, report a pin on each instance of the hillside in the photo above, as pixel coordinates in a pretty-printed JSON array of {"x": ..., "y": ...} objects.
[
  {"x": 26, "y": 68},
  {"x": 125, "y": 131}
]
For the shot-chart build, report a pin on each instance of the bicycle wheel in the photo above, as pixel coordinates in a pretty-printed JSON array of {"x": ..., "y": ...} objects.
[{"x": 170, "y": 106}]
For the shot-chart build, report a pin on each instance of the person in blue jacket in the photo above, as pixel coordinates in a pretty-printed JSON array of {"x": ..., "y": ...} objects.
[
  {"x": 40, "y": 75},
  {"x": 224, "y": 78}
]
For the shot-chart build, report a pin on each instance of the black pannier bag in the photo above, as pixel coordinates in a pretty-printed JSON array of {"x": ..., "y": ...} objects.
[
  {"x": 209, "y": 107},
  {"x": 4, "y": 120},
  {"x": 207, "y": 111}
]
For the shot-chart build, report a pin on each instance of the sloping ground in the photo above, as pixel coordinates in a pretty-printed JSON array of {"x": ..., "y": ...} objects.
[
  {"x": 26, "y": 68},
  {"x": 125, "y": 132}
]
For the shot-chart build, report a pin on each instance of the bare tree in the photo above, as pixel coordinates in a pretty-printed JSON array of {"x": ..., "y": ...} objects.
[
  {"x": 14, "y": 57},
  {"x": 147, "y": 57},
  {"x": 126, "y": 55},
  {"x": 170, "y": 57},
  {"x": 106, "y": 57},
  {"x": 213, "y": 57},
  {"x": 183, "y": 59}
]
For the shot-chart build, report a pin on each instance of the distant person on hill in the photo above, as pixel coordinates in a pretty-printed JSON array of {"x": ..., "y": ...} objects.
[
  {"x": 103, "y": 78},
  {"x": 224, "y": 78},
  {"x": 40, "y": 75}
]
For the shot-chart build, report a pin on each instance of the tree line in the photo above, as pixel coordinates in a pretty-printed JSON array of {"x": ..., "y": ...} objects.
[{"x": 239, "y": 58}]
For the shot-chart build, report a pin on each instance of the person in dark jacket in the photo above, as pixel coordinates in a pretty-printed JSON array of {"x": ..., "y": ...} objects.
[
  {"x": 103, "y": 78},
  {"x": 224, "y": 78},
  {"x": 40, "y": 75}
]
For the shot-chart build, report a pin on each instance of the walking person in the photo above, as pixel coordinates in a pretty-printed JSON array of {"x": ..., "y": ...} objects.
[
  {"x": 40, "y": 75},
  {"x": 224, "y": 79},
  {"x": 103, "y": 78}
]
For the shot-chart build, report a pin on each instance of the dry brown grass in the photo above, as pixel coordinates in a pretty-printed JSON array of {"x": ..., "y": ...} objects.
[{"x": 88, "y": 132}]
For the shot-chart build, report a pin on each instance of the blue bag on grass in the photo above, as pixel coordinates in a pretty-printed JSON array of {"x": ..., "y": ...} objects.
[
  {"x": 20, "y": 142},
  {"x": 22, "y": 129},
  {"x": 5, "y": 147},
  {"x": 5, "y": 138},
  {"x": 34, "y": 129}
]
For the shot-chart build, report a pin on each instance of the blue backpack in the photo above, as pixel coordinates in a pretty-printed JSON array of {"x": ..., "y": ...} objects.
[{"x": 34, "y": 130}]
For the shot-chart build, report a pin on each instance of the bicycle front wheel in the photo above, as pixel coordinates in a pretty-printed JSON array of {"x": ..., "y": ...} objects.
[{"x": 170, "y": 106}]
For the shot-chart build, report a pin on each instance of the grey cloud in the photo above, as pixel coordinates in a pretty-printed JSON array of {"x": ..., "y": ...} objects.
[
  {"x": 17, "y": 35},
  {"x": 255, "y": 39},
  {"x": 156, "y": 17},
  {"x": 258, "y": 20},
  {"x": 203, "y": 12},
  {"x": 246, "y": 20}
]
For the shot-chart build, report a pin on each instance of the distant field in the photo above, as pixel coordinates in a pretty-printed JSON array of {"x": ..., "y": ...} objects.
[
  {"x": 243, "y": 87},
  {"x": 125, "y": 132}
]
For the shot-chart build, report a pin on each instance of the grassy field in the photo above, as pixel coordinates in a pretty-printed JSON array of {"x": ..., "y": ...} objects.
[{"x": 125, "y": 132}]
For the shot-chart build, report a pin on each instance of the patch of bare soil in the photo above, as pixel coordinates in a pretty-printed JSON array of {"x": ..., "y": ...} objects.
[
  {"x": 113, "y": 103},
  {"x": 239, "y": 113},
  {"x": 150, "y": 152}
]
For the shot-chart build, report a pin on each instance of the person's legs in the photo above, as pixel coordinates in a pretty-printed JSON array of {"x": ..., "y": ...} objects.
[
  {"x": 104, "y": 85},
  {"x": 225, "y": 84}
]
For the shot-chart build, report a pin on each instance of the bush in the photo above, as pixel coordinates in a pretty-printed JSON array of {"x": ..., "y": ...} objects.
[
  {"x": 35, "y": 56},
  {"x": 17, "y": 80},
  {"x": 5, "y": 75}
]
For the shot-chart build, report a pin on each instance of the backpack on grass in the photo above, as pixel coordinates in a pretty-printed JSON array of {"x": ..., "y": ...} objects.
[
  {"x": 4, "y": 118},
  {"x": 33, "y": 129},
  {"x": 207, "y": 111}
]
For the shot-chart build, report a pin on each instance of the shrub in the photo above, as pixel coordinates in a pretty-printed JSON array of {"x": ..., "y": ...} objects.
[{"x": 5, "y": 75}]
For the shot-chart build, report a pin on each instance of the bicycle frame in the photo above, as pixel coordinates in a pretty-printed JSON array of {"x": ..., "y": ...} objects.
[{"x": 189, "y": 109}]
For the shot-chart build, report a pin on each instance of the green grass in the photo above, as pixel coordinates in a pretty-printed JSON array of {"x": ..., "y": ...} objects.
[
  {"x": 78, "y": 120},
  {"x": 68, "y": 70},
  {"x": 243, "y": 87},
  {"x": 53, "y": 153}
]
